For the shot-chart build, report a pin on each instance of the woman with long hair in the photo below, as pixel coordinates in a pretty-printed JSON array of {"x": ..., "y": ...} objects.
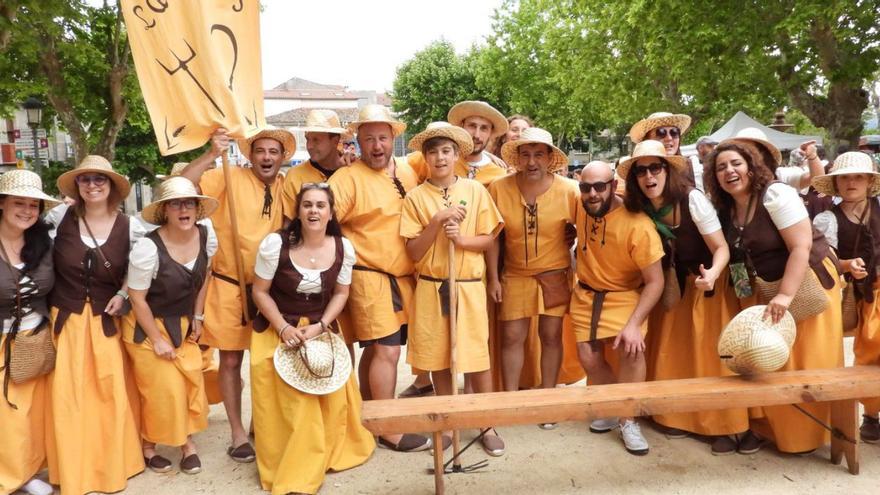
[
  {"x": 517, "y": 123},
  {"x": 769, "y": 232},
  {"x": 26, "y": 277},
  {"x": 166, "y": 281},
  {"x": 699, "y": 300},
  {"x": 96, "y": 446},
  {"x": 303, "y": 278}
]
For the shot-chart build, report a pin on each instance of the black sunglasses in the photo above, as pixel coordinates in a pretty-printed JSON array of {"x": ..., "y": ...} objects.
[
  {"x": 598, "y": 186},
  {"x": 662, "y": 132},
  {"x": 655, "y": 169}
]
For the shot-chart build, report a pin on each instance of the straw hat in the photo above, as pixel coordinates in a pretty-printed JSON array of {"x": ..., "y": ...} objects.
[
  {"x": 446, "y": 130},
  {"x": 177, "y": 188},
  {"x": 319, "y": 366},
  {"x": 375, "y": 113},
  {"x": 650, "y": 148},
  {"x": 751, "y": 344},
  {"x": 92, "y": 164},
  {"x": 851, "y": 162},
  {"x": 25, "y": 184},
  {"x": 465, "y": 109},
  {"x": 510, "y": 149},
  {"x": 752, "y": 136},
  {"x": 323, "y": 121},
  {"x": 640, "y": 129},
  {"x": 283, "y": 136}
]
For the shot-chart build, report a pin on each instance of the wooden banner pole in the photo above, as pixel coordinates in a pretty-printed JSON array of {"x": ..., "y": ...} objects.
[{"x": 453, "y": 365}]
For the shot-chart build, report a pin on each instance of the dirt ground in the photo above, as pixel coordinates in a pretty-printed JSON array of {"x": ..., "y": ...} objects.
[{"x": 567, "y": 460}]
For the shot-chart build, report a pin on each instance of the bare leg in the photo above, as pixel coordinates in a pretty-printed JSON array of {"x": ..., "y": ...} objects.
[
  {"x": 513, "y": 338},
  {"x": 482, "y": 383},
  {"x": 422, "y": 380},
  {"x": 189, "y": 447},
  {"x": 383, "y": 376},
  {"x": 632, "y": 369},
  {"x": 592, "y": 358},
  {"x": 550, "y": 332},
  {"x": 364, "y": 372},
  {"x": 230, "y": 385}
]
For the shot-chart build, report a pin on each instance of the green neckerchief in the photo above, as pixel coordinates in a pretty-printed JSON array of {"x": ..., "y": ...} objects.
[{"x": 657, "y": 215}]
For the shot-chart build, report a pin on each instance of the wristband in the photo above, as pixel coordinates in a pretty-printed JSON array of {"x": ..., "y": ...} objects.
[
  {"x": 121, "y": 293},
  {"x": 323, "y": 325},
  {"x": 283, "y": 329},
  {"x": 199, "y": 317},
  {"x": 811, "y": 158}
]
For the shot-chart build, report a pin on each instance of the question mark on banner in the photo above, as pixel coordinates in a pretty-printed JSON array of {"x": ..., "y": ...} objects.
[
  {"x": 228, "y": 32},
  {"x": 239, "y": 7},
  {"x": 136, "y": 11}
]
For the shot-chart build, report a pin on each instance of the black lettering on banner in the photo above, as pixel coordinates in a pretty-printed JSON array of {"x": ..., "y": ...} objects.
[
  {"x": 228, "y": 32},
  {"x": 239, "y": 7},
  {"x": 182, "y": 65},
  {"x": 137, "y": 13},
  {"x": 176, "y": 133},
  {"x": 163, "y": 5}
]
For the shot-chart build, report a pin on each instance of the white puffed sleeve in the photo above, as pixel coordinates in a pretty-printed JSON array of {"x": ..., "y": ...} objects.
[
  {"x": 348, "y": 259},
  {"x": 826, "y": 223},
  {"x": 784, "y": 205},
  {"x": 136, "y": 231},
  {"x": 791, "y": 175},
  {"x": 212, "y": 244},
  {"x": 143, "y": 264},
  {"x": 54, "y": 217},
  {"x": 703, "y": 213},
  {"x": 267, "y": 257}
]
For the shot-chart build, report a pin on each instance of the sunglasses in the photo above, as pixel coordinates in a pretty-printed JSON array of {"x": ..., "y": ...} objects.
[
  {"x": 600, "y": 187},
  {"x": 662, "y": 132},
  {"x": 96, "y": 179},
  {"x": 179, "y": 204},
  {"x": 655, "y": 169},
  {"x": 315, "y": 185}
]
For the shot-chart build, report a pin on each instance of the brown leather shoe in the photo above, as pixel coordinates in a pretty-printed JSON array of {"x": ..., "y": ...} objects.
[
  {"x": 191, "y": 464},
  {"x": 242, "y": 453},
  {"x": 870, "y": 430},
  {"x": 158, "y": 464}
]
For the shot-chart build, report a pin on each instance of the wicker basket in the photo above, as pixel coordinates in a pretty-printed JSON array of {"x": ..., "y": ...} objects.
[{"x": 810, "y": 299}]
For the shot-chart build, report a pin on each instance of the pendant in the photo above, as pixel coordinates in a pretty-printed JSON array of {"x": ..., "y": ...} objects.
[{"x": 312, "y": 260}]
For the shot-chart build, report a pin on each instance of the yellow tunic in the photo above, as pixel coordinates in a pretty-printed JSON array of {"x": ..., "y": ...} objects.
[
  {"x": 368, "y": 207},
  {"x": 484, "y": 175},
  {"x": 428, "y": 346},
  {"x": 223, "y": 306},
  {"x": 172, "y": 393},
  {"x": 611, "y": 253},
  {"x": 300, "y": 436},
  {"x": 294, "y": 179},
  {"x": 23, "y": 430},
  {"x": 96, "y": 446},
  {"x": 867, "y": 342}
]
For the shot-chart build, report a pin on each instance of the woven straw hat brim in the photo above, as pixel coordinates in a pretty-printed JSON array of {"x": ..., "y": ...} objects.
[
  {"x": 397, "y": 128},
  {"x": 639, "y": 131},
  {"x": 460, "y": 111},
  {"x": 25, "y": 184},
  {"x": 92, "y": 164},
  {"x": 761, "y": 143},
  {"x": 457, "y": 134},
  {"x": 178, "y": 188},
  {"x": 510, "y": 155},
  {"x": 327, "y": 130},
  {"x": 283, "y": 136},
  {"x": 750, "y": 344},
  {"x": 850, "y": 163},
  {"x": 291, "y": 368},
  {"x": 678, "y": 162}
]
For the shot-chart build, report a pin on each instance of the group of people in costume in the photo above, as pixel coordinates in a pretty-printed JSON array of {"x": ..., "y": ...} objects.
[{"x": 626, "y": 274}]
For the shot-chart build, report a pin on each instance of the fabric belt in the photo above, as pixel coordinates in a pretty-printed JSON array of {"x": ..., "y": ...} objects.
[
  {"x": 598, "y": 302},
  {"x": 443, "y": 290},
  {"x": 248, "y": 289},
  {"x": 396, "y": 298}
]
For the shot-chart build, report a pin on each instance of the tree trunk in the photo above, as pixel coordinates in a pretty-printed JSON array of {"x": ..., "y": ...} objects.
[{"x": 56, "y": 93}]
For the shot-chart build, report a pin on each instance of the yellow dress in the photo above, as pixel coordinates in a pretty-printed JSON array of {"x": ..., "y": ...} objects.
[
  {"x": 867, "y": 342},
  {"x": 223, "y": 327},
  {"x": 368, "y": 206},
  {"x": 293, "y": 181},
  {"x": 428, "y": 346}
]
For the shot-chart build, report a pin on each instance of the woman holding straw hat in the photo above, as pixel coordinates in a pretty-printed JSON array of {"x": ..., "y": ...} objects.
[
  {"x": 96, "y": 446},
  {"x": 698, "y": 301},
  {"x": 853, "y": 229},
  {"x": 771, "y": 240},
  {"x": 166, "y": 280},
  {"x": 306, "y": 421},
  {"x": 26, "y": 259}
]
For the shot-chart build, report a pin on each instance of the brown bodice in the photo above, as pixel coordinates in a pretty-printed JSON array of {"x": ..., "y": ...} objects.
[{"x": 868, "y": 248}]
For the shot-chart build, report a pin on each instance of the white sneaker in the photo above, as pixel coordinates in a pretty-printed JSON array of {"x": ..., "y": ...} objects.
[
  {"x": 603, "y": 425},
  {"x": 36, "y": 486},
  {"x": 632, "y": 437}
]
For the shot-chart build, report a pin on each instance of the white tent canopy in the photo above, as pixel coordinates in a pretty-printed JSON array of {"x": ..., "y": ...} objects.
[{"x": 782, "y": 140}]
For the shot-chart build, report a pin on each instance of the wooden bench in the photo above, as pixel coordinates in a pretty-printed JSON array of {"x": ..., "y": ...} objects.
[{"x": 843, "y": 387}]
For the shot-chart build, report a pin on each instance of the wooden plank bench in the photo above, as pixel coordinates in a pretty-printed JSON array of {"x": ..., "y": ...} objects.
[{"x": 843, "y": 387}]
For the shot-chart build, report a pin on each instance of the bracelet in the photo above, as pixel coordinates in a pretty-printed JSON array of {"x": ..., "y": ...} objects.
[
  {"x": 200, "y": 317},
  {"x": 811, "y": 158},
  {"x": 121, "y": 293},
  {"x": 283, "y": 329},
  {"x": 323, "y": 325}
]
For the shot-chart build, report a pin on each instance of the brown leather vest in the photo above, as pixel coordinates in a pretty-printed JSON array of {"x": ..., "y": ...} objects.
[
  {"x": 42, "y": 280},
  {"x": 688, "y": 249},
  {"x": 173, "y": 292},
  {"x": 293, "y": 304},
  {"x": 815, "y": 203},
  {"x": 80, "y": 274},
  {"x": 868, "y": 249}
]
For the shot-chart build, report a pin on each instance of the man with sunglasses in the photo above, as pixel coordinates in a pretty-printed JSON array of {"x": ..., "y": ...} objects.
[{"x": 620, "y": 279}]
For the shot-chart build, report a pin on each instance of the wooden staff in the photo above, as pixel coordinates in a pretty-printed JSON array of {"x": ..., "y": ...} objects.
[
  {"x": 236, "y": 243},
  {"x": 453, "y": 365}
]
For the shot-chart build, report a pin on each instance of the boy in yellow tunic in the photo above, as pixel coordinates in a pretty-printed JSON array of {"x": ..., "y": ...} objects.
[
  {"x": 619, "y": 280},
  {"x": 257, "y": 210},
  {"x": 449, "y": 208}
]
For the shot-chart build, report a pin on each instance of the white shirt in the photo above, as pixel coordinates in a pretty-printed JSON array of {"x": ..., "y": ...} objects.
[
  {"x": 267, "y": 264},
  {"x": 30, "y": 321},
  {"x": 484, "y": 160},
  {"x": 143, "y": 261},
  {"x": 697, "y": 167},
  {"x": 792, "y": 176},
  {"x": 784, "y": 205},
  {"x": 703, "y": 213},
  {"x": 135, "y": 229}
]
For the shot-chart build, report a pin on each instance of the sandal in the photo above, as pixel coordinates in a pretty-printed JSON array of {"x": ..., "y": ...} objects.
[
  {"x": 409, "y": 442},
  {"x": 242, "y": 453},
  {"x": 191, "y": 464},
  {"x": 157, "y": 463},
  {"x": 493, "y": 444}
]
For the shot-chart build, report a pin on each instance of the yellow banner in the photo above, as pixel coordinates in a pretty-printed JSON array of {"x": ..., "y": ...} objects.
[{"x": 198, "y": 63}]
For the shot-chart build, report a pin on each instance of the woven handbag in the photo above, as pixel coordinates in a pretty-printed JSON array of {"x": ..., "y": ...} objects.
[
  {"x": 33, "y": 354},
  {"x": 850, "y": 308},
  {"x": 810, "y": 299}
]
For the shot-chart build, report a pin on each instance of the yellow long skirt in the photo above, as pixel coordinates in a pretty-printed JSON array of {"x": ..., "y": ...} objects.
[
  {"x": 683, "y": 343},
  {"x": 211, "y": 374},
  {"x": 172, "y": 393},
  {"x": 23, "y": 431},
  {"x": 819, "y": 344},
  {"x": 299, "y": 437},
  {"x": 96, "y": 446},
  {"x": 867, "y": 342}
]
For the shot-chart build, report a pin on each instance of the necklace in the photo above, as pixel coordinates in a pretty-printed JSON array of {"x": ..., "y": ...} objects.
[{"x": 312, "y": 260}]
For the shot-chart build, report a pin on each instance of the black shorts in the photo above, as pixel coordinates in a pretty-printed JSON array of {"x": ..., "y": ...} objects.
[{"x": 396, "y": 338}]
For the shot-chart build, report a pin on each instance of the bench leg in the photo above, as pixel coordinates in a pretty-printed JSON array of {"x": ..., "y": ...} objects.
[
  {"x": 845, "y": 417},
  {"x": 438, "y": 463}
]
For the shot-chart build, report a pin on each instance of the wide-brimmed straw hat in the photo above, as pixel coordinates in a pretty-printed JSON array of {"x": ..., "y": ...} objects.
[
  {"x": 375, "y": 113},
  {"x": 532, "y": 135},
  {"x": 752, "y": 136},
  {"x": 322, "y": 120},
  {"x": 650, "y": 148},
  {"x": 25, "y": 184},
  {"x": 319, "y": 366},
  {"x": 851, "y": 162},
  {"x": 177, "y": 188},
  {"x": 460, "y": 111},
  {"x": 446, "y": 130},
  {"x": 751, "y": 344},
  {"x": 639, "y": 131},
  {"x": 92, "y": 164},
  {"x": 283, "y": 136}
]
